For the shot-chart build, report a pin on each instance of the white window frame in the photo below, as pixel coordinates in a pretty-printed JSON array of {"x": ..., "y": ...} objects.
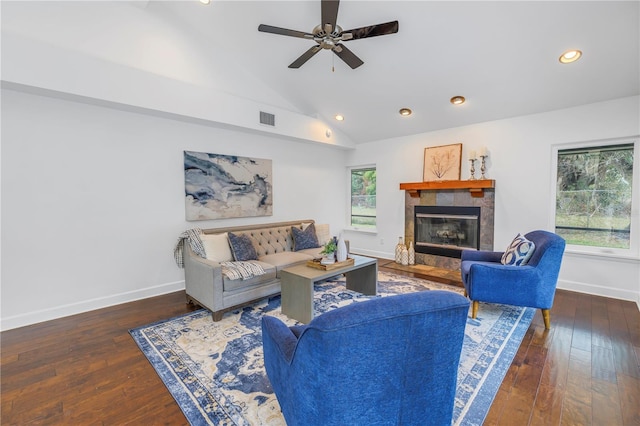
[
  {"x": 633, "y": 252},
  {"x": 350, "y": 227}
]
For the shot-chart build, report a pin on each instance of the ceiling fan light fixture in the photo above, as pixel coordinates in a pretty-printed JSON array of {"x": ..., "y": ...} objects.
[
  {"x": 339, "y": 117},
  {"x": 405, "y": 112},
  {"x": 570, "y": 56},
  {"x": 457, "y": 100}
]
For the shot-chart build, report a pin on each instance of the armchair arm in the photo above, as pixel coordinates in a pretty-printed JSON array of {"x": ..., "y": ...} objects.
[
  {"x": 277, "y": 338},
  {"x": 513, "y": 285},
  {"x": 481, "y": 256}
]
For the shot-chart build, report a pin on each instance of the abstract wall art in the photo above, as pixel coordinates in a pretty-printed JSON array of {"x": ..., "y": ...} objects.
[
  {"x": 226, "y": 186},
  {"x": 442, "y": 162}
]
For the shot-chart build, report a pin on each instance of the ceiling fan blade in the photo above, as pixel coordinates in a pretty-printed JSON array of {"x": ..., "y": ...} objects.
[
  {"x": 329, "y": 14},
  {"x": 305, "y": 57},
  {"x": 283, "y": 31},
  {"x": 372, "y": 31},
  {"x": 348, "y": 56}
]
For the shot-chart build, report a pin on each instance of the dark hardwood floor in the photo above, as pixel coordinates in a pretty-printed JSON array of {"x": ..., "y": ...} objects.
[{"x": 86, "y": 369}]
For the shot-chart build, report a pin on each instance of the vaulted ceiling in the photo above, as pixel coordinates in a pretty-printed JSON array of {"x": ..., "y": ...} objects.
[{"x": 502, "y": 56}]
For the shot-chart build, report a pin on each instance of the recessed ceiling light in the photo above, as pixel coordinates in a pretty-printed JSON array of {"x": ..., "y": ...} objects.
[
  {"x": 405, "y": 112},
  {"x": 205, "y": 1},
  {"x": 339, "y": 117},
  {"x": 457, "y": 100},
  {"x": 570, "y": 56}
]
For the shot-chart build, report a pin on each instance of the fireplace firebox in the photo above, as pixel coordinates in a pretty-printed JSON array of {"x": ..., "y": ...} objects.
[{"x": 446, "y": 230}]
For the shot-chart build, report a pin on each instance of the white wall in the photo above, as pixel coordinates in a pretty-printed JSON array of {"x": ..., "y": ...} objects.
[
  {"x": 92, "y": 197},
  {"x": 520, "y": 162},
  {"x": 93, "y": 200}
]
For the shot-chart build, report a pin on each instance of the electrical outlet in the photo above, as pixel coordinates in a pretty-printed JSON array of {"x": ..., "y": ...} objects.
[{"x": 381, "y": 241}]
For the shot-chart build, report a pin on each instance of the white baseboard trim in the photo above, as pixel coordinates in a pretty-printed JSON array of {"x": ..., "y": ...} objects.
[
  {"x": 35, "y": 317},
  {"x": 598, "y": 290},
  {"x": 372, "y": 253}
]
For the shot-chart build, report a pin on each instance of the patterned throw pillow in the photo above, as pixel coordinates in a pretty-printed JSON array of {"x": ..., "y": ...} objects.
[
  {"x": 519, "y": 251},
  {"x": 304, "y": 238},
  {"x": 242, "y": 247}
]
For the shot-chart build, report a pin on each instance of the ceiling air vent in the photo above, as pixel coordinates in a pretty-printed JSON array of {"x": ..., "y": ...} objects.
[{"x": 268, "y": 119}]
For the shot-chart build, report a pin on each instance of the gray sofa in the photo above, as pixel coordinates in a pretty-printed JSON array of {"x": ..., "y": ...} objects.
[{"x": 206, "y": 285}]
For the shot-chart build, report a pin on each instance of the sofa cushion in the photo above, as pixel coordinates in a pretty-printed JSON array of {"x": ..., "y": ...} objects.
[
  {"x": 313, "y": 252},
  {"x": 242, "y": 247},
  {"x": 232, "y": 285},
  {"x": 304, "y": 238},
  {"x": 285, "y": 259},
  {"x": 216, "y": 247},
  {"x": 519, "y": 251}
]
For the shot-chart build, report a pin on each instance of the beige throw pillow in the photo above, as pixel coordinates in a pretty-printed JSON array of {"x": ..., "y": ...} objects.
[
  {"x": 323, "y": 233},
  {"x": 216, "y": 246}
]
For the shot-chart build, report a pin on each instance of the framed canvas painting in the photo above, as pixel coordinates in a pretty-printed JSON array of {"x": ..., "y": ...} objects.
[
  {"x": 226, "y": 186},
  {"x": 442, "y": 162}
]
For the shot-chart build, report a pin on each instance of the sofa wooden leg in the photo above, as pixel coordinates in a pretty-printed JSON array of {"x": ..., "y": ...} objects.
[
  {"x": 474, "y": 309},
  {"x": 217, "y": 316},
  {"x": 546, "y": 316}
]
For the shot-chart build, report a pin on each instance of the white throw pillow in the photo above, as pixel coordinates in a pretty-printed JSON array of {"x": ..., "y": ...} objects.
[{"x": 216, "y": 246}]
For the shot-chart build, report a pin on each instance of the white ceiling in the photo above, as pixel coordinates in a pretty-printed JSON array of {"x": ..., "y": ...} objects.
[{"x": 502, "y": 56}]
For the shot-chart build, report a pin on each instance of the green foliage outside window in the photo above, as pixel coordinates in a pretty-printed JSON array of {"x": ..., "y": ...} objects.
[
  {"x": 593, "y": 195},
  {"x": 363, "y": 198}
]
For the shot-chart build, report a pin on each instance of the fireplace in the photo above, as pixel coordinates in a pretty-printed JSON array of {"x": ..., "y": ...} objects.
[
  {"x": 448, "y": 195},
  {"x": 446, "y": 230}
]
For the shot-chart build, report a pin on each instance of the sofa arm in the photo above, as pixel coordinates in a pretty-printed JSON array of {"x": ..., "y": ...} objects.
[{"x": 203, "y": 280}]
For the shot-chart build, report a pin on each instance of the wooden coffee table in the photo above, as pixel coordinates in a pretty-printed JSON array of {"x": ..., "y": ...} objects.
[{"x": 297, "y": 284}]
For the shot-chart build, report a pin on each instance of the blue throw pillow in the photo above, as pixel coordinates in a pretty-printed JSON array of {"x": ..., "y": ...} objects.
[
  {"x": 519, "y": 252},
  {"x": 304, "y": 239},
  {"x": 242, "y": 247}
]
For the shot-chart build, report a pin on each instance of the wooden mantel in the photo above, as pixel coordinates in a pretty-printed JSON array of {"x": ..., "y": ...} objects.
[{"x": 476, "y": 187}]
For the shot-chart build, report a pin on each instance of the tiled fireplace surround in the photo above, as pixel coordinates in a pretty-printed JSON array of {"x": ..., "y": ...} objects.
[{"x": 450, "y": 197}]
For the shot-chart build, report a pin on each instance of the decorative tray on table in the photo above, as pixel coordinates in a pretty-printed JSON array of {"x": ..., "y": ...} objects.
[{"x": 315, "y": 263}]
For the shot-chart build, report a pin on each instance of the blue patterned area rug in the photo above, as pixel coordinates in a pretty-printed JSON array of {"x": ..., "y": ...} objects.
[{"x": 215, "y": 370}]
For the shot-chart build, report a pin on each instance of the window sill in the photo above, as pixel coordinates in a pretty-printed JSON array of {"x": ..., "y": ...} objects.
[
  {"x": 362, "y": 230},
  {"x": 603, "y": 255}
]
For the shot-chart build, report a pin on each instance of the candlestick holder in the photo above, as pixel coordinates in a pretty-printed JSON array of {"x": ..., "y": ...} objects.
[
  {"x": 473, "y": 168},
  {"x": 482, "y": 166}
]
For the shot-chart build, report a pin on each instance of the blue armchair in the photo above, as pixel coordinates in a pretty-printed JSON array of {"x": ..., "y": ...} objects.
[
  {"x": 386, "y": 361},
  {"x": 486, "y": 279}
]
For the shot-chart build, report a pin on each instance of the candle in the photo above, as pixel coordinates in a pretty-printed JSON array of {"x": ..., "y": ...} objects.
[
  {"x": 483, "y": 152},
  {"x": 472, "y": 155}
]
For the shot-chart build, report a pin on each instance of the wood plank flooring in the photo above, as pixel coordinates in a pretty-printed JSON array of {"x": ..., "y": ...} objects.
[{"x": 86, "y": 369}]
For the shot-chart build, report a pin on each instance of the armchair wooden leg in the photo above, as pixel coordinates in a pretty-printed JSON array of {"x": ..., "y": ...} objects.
[
  {"x": 546, "y": 316},
  {"x": 474, "y": 309},
  {"x": 465, "y": 292}
]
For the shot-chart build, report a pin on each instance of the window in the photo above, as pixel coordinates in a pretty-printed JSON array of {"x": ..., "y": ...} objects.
[
  {"x": 363, "y": 198},
  {"x": 594, "y": 196}
]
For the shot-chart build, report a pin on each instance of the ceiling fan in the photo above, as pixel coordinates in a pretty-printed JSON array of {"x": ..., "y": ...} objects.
[{"x": 329, "y": 35}]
